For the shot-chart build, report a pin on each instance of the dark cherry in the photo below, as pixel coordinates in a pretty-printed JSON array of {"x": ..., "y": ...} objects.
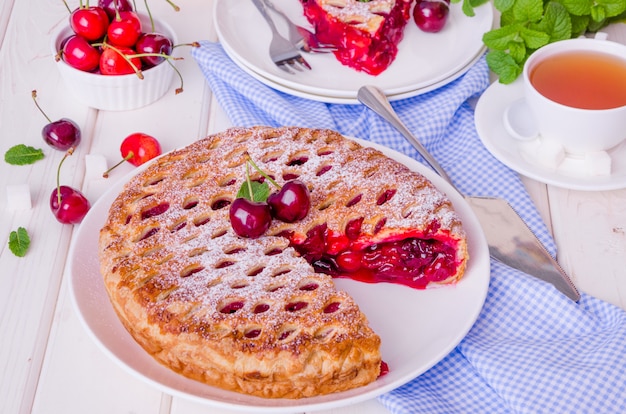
[
  {"x": 249, "y": 218},
  {"x": 431, "y": 15},
  {"x": 62, "y": 134},
  {"x": 113, "y": 61},
  {"x": 291, "y": 203},
  {"x": 68, "y": 205},
  {"x": 79, "y": 54},
  {"x": 125, "y": 29},
  {"x": 110, "y": 6},
  {"x": 90, "y": 23},
  {"x": 153, "y": 43}
]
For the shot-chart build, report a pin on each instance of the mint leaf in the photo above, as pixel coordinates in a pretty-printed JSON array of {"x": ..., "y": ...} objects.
[
  {"x": 598, "y": 13},
  {"x": 518, "y": 51},
  {"x": 19, "y": 241},
  {"x": 22, "y": 155},
  {"x": 528, "y": 10},
  {"x": 503, "y": 65},
  {"x": 577, "y": 7},
  {"x": 499, "y": 39},
  {"x": 260, "y": 191},
  {"x": 579, "y": 25},
  {"x": 556, "y": 22},
  {"x": 612, "y": 7},
  {"x": 534, "y": 39},
  {"x": 503, "y": 5}
]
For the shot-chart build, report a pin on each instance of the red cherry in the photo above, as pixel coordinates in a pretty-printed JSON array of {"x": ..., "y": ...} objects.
[
  {"x": 249, "y": 218},
  {"x": 113, "y": 61},
  {"x": 78, "y": 53},
  {"x": 349, "y": 261},
  {"x": 153, "y": 43},
  {"x": 125, "y": 29},
  {"x": 137, "y": 149},
  {"x": 431, "y": 15},
  {"x": 291, "y": 203},
  {"x": 90, "y": 23},
  {"x": 62, "y": 134},
  {"x": 109, "y": 7},
  {"x": 68, "y": 205}
]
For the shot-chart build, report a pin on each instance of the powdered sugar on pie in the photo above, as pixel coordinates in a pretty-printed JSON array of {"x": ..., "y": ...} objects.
[{"x": 262, "y": 316}]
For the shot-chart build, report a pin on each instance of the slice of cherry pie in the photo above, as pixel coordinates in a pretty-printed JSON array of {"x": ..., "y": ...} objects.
[
  {"x": 366, "y": 33},
  {"x": 262, "y": 316}
]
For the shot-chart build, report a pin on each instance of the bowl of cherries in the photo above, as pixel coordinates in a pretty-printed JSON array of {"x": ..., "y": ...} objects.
[{"x": 113, "y": 57}]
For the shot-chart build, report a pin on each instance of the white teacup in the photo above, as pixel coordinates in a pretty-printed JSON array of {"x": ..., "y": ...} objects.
[{"x": 578, "y": 130}]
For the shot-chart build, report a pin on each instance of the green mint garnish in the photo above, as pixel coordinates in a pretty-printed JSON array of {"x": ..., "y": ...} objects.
[
  {"x": 19, "y": 241},
  {"x": 22, "y": 155}
]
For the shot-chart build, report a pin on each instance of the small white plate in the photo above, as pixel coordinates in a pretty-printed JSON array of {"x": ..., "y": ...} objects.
[
  {"x": 418, "y": 328},
  {"x": 570, "y": 174},
  {"x": 423, "y": 60}
]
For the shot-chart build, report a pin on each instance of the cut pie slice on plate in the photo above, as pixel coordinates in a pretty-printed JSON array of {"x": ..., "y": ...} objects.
[{"x": 366, "y": 33}]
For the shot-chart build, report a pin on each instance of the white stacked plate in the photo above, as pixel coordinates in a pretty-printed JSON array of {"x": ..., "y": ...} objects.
[{"x": 425, "y": 61}]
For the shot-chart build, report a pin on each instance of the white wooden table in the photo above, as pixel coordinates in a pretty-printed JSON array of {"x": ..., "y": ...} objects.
[{"x": 48, "y": 364}]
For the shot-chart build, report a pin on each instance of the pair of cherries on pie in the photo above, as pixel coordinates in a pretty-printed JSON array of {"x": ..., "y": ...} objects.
[{"x": 289, "y": 204}]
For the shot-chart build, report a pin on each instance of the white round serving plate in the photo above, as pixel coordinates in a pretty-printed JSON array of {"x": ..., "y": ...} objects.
[
  {"x": 423, "y": 59},
  {"x": 489, "y": 120},
  {"x": 418, "y": 328}
]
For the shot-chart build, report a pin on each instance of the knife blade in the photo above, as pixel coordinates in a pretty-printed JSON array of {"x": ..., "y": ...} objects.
[{"x": 510, "y": 239}]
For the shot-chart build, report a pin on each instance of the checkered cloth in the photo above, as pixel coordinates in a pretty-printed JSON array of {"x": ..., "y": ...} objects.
[{"x": 531, "y": 350}]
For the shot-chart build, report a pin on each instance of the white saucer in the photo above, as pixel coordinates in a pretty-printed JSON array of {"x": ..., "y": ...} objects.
[
  {"x": 424, "y": 60},
  {"x": 570, "y": 174}
]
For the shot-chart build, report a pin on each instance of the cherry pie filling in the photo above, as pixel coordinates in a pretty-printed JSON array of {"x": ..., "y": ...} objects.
[
  {"x": 356, "y": 47},
  {"x": 413, "y": 258}
]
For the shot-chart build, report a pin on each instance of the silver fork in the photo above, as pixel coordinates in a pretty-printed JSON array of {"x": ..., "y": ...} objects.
[
  {"x": 301, "y": 37},
  {"x": 283, "y": 53}
]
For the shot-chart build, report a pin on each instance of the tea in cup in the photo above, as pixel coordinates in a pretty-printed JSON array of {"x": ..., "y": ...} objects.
[{"x": 575, "y": 94}]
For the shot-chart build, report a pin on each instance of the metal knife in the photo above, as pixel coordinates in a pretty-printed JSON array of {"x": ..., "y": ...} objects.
[{"x": 510, "y": 239}]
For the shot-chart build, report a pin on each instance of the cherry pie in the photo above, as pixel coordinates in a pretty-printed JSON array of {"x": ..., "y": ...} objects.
[
  {"x": 262, "y": 316},
  {"x": 366, "y": 33}
]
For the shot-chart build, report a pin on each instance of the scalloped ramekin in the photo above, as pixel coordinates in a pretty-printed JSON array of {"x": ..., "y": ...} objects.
[{"x": 119, "y": 92}]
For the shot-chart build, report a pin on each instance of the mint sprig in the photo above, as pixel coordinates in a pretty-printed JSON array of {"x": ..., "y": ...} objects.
[
  {"x": 255, "y": 190},
  {"x": 22, "y": 155},
  {"x": 527, "y": 25},
  {"x": 19, "y": 242}
]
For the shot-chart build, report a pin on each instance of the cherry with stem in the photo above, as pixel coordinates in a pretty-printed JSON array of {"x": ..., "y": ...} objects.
[
  {"x": 62, "y": 134},
  {"x": 68, "y": 205}
]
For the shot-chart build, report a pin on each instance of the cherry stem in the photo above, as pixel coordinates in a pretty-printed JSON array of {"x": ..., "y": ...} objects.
[
  {"x": 256, "y": 167},
  {"x": 126, "y": 158},
  {"x": 68, "y": 153},
  {"x": 180, "y": 76},
  {"x": 249, "y": 182},
  {"x": 174, "y": 6},
  {"x": 192, "y": 44},
  {"x": 67, "y": 6},
  {"x": 149, "y": 14},
  {"x": 34, "y": 95}
]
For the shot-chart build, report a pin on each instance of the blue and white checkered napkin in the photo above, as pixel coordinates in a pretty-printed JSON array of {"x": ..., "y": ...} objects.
[{"x": 531, "y": 350}]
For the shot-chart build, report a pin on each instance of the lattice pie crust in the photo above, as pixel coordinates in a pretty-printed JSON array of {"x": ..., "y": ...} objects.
[{"x": 252, "y": 315}]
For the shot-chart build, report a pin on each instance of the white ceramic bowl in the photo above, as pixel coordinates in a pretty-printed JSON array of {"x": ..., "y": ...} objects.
[{"x": 120, "y": 92}]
